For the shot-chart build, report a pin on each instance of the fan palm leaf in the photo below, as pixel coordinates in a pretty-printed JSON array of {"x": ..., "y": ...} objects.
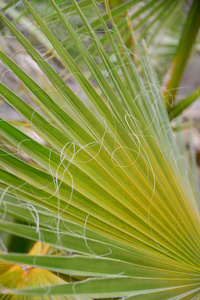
[
  {"x": 108, "y": 183},
  {"x": 155, "y": 20}
]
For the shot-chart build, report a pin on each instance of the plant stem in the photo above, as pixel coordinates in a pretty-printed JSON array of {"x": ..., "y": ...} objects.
[
  {"x": 183, "y": 104},
  {"x": 186, "y": 42}
]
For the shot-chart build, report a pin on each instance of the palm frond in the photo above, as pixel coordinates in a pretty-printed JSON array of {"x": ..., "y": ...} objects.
[{"x": 108, "y": 184}]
